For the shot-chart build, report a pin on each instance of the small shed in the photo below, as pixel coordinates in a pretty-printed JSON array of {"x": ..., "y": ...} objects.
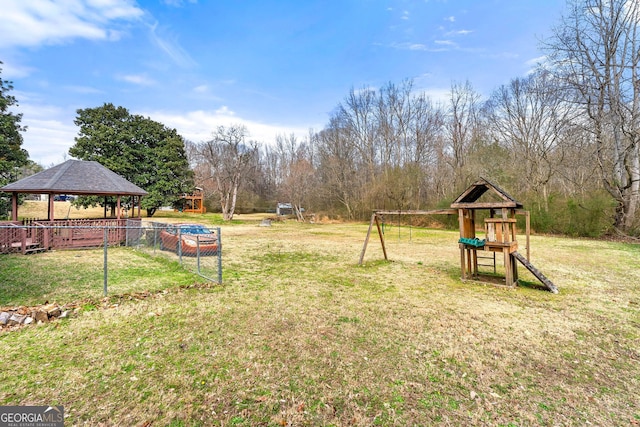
[{"x": 284, "y": 209}]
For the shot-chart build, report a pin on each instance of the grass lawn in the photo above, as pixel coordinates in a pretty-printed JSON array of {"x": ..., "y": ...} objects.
[{"x": 299, "y": 334}]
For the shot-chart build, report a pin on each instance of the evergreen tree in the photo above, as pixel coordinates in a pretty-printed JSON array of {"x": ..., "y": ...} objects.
[
  {"x": 12, "y": 155},
  {"x": 143, "y": 151}
]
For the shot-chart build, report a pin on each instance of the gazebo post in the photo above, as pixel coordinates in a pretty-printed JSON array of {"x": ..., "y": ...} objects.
[
  {"x": 50, "y": 213},
  {"x": 14, "y": 206},
  {"x": 118, "y": 210}
]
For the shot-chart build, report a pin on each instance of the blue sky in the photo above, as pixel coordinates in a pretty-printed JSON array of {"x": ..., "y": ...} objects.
[{"x": 276, "y": 66}]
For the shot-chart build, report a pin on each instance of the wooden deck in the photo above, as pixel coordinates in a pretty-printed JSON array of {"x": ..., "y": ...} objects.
[{"x": 35, "y": 236}]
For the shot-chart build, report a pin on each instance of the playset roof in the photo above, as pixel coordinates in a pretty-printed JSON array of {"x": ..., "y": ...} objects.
[{"x": 469, "y": 199}]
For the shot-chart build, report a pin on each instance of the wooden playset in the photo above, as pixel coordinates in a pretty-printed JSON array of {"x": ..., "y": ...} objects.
[
  {"x": 194, "y": 202},
  {"x": 499, "y": 229}
]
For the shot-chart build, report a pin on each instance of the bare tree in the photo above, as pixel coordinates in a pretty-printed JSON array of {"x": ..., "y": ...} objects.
[
  {"x": 228, "y": 157},
  {"x": 296, "y": 171},
  {"x": 462, "y": 125},
  {"x": 531, "y": 118},
  {"x": 596, "y": 50},
  {"x": 357, "y": 117},
  {"x": 338, "y": 168}
]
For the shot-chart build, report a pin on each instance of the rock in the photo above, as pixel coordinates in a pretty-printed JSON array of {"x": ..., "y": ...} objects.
[
  {"x": 16, "y": 319},
  {"x": 64, "y": 314},
  {"x": 28, "y": 320},
  {"x": 4, "y": 318},
  {"x": 473, "y": 395},
  {"x": 41, "y": 316}
]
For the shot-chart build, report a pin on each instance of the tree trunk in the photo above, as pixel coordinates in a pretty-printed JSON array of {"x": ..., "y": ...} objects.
[{"x": 234, "y": 196}]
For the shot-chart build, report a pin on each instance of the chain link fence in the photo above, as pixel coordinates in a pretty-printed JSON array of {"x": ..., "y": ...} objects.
[{"x": 196, "y": 247}]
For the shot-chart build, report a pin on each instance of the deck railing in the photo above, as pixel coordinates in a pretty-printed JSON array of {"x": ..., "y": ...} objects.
[{"x": 39, "y": 235}]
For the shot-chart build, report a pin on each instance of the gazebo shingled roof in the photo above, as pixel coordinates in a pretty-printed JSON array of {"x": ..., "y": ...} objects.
[
  {"x": 73, "y": 177},
  {"x": 76, "y": 177}
]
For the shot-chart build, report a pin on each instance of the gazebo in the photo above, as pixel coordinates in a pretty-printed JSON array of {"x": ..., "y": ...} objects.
[{"x": 73, "y": 177}]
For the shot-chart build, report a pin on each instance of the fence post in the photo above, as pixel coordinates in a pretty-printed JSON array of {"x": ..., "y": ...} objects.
[
  {"x": 219, "y": 256},
  {"x": 106, "y": 244},
  {"x": 180, "y": 244},
  {"x": 198, "y": 253}
]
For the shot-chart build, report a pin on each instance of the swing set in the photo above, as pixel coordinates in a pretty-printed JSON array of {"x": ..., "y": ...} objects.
[{"x": 499, "y": 227}]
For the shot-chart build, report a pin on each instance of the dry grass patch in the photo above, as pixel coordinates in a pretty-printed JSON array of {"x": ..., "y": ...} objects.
[
  {"x": 38, "y": 210},
  {"x": 301, "y": 335}
]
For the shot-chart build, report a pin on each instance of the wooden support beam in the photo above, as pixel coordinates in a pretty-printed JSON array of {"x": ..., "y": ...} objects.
[
  {"x": 461, "y": 222},
  {"x": 14, "y": 206},
  {"x": 366, "y": 240},
  {"x": 418, "y": 212},
  {"x": 384, "y": 248},
  {"x": 508, "y": 279},
  {"x": 475, "y": 262},
  {"x": 51, "y": 210},
  {"x": 462, "y": 263},
  {"x": 528, "y": 232}
]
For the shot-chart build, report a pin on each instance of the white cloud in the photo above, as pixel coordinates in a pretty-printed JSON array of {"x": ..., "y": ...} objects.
[
  {"x": 170, "y": 46},
  {"x": 178, "y": 3},
  {"x": 438, "y": 95},
  {"x": 37, "y": 22},
  {"x": 424, "y": 84},
  {"x": 199, "y": 125},
  {"x": 50, "y": 132},
  {"x": 225, "y": 111},
  {"x": 201, "y": 89},
  {"x": 459, "y": 33},
  {"x": 534, "y": 62},
  {"x": 405, "y": 15},
  {"x": 417, "y": 46},
  {"x": 445, "y": 43},
  {"x": 450, "y": 19},
  {"x": 12, "y": 71},
  {"x": 83, "y": 89},
  {"x": 48, "y": 141},
  {"x": 137, "y": 79}
]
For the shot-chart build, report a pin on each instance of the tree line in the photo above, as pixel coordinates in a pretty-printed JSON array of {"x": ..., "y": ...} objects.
[{"x": 564, "y": 140}]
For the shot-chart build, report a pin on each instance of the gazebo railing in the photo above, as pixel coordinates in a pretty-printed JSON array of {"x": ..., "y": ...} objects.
[
  {"x": 16, "y": 238},
  {"x": 38, "y": 235}
]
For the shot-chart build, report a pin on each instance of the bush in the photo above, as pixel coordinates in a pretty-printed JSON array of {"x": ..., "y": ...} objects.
[{"x": 588, "y": 216}]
